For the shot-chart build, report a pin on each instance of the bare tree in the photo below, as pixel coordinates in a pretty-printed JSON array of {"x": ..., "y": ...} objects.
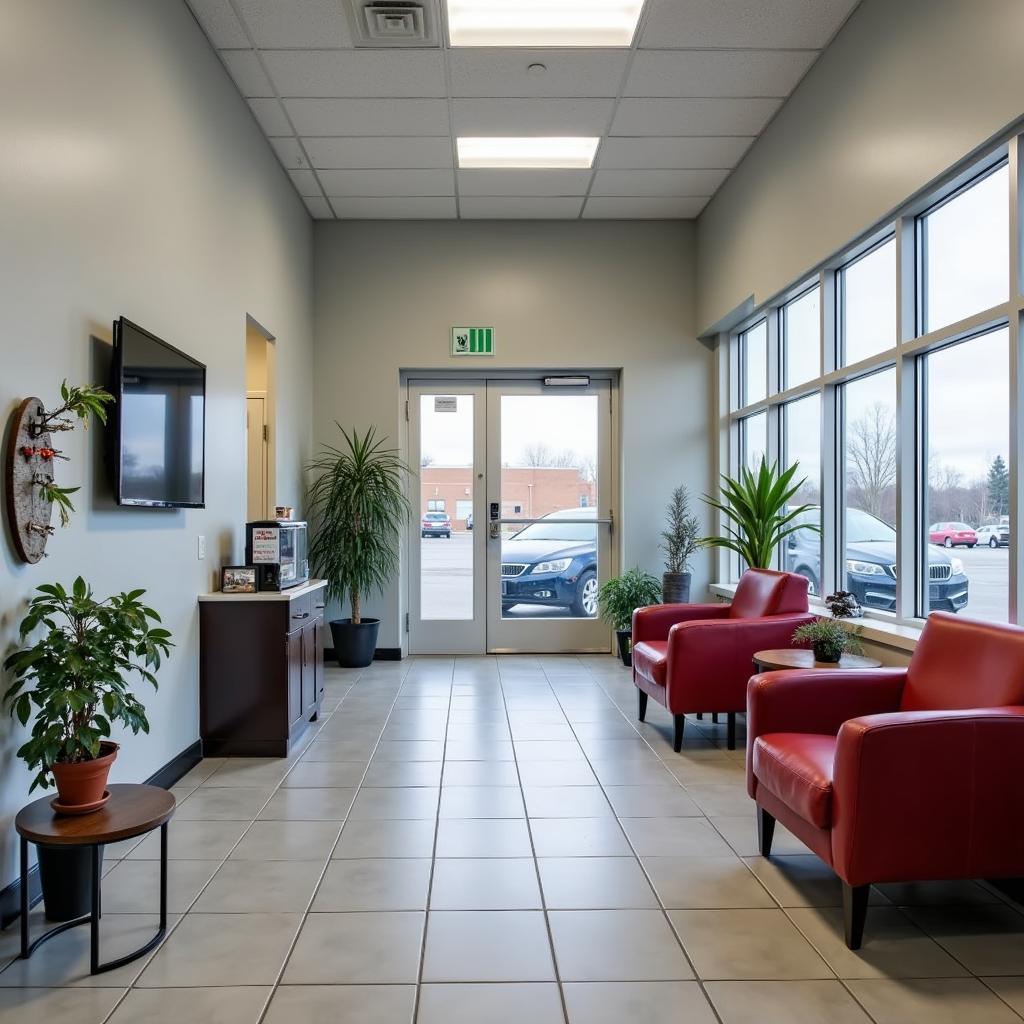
[{"x": 871, "y": 459}]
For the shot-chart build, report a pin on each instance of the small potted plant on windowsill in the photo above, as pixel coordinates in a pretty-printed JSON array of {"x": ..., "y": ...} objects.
[
  {"x": 829, "y": 639},
  {"x": 619, "y": 597},
  {"x": 73, "y": 681}
]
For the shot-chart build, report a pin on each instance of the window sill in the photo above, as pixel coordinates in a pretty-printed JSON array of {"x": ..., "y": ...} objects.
[{"x": 872, "y": 628}]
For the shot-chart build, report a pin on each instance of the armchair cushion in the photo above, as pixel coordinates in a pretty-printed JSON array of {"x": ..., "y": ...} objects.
[
  {"x": 650, "y": 659},
  {"x": 797, "y": 768}
]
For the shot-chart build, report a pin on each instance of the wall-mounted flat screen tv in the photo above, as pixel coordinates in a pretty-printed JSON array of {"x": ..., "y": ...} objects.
[{"x": 159, "y": 458}]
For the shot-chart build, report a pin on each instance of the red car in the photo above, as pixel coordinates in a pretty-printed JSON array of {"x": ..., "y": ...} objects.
[{"x": 951, "y": 535}]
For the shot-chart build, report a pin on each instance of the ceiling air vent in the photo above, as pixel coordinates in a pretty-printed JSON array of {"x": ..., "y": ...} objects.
[{"x": 384, "y": 23}]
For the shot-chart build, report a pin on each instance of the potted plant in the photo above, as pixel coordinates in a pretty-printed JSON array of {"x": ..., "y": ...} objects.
[
  {"x": 74, "y": 681},
  {"x": 829, "y": 639},
  {"x": 757, "y": 515},
  {"x": 619, "y": 597},
  {"x": 844, "y": 605},
  {"x": 680, "y": 541},
  {"x": 358, "y": 505}
]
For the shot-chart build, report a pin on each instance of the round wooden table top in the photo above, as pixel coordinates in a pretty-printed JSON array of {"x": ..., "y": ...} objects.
[
  {"x": 132, "y": 810},
  {"x": 796, "y": 657}
]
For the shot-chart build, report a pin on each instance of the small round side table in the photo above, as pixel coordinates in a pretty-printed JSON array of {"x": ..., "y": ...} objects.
[
  {"x": 795, "y": 657},
  {"x": 132, "y": 810}
]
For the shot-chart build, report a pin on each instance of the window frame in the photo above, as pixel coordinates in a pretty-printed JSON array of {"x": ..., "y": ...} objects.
[{"x": 904, "y": 226}]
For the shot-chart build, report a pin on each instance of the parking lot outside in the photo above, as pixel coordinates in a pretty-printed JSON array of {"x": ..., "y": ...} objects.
[{"x": 447, "y": 582}]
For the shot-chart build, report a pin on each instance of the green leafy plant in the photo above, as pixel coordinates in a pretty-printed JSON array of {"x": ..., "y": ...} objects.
[
  {"x": 829, "y": 639},
  {"x": 358, "y": 505},
  {"x": 681, "y": 538},
  {"x": 59, "y": 496},
  {"x": 621, "y": 595},
  {"x": 76, "y": 675},
  {"x": 758, "y": 516},
  {"x": 80, "y": 402}
]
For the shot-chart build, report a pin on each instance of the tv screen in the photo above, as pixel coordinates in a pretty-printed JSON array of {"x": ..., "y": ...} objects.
[{"x": 161, "y": 399}]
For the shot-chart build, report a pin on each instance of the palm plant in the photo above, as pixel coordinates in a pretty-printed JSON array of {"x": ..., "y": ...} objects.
[
  {"x": 359, "y": 506},
  {"x": 757, "y": 514}
]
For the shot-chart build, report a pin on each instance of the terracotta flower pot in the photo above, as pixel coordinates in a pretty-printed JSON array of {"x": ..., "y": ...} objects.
[{"x": 85, "y": 782}]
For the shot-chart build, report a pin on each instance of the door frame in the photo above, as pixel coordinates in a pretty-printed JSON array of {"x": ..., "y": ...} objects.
[{"x": 456, "y": 377}]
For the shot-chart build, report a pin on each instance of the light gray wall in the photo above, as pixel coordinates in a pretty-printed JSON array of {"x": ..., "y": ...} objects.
[
  {"x": 906, "y": 90},
  {"x": 604, "y": 295},
  {"x": 133, "y": 181}
]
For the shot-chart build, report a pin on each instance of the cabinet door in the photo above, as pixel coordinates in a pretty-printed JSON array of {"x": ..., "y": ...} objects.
[
  {"x": 309, "y": 680},
  {"x": 295, "y": 656},
  {"x": 321, "y": 630}
]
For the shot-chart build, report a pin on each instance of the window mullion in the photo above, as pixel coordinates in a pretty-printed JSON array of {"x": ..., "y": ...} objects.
[{"x": 1016, "y": 382}]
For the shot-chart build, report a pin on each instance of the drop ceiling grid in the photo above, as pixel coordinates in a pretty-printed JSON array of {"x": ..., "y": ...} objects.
[{"x": 673, "y": 120}]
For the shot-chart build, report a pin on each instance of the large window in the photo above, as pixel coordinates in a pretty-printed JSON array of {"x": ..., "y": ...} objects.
[
  {"x": 801, "y": 435},
  {"x": 965, "y": 252},
  {"x": 801, "y": 338},
  {"x": 754, "y": 364},
  {"x": 967, "y": 430},
  {"x": 903, "y": 420},
  {"x": 867, "y": 304}
]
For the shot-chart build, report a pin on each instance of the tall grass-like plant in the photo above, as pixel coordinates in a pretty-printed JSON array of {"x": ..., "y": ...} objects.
[
  {"x": 359, "y": 507},
  {"x": 757, "y": 513},
  {"x": 681, "y": 538}
]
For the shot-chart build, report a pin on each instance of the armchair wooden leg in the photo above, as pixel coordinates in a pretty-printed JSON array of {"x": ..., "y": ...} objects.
[
  {"x": 765, "y": 831},
  {"x": 714, "y": 717},
  {"x": 677, "y": 739},
  {"x": 855, "y": 910},
  {"x": 641, "y": 704},
  {"x": 700, "y": 716},
  {"x": 731, "y": 734}
]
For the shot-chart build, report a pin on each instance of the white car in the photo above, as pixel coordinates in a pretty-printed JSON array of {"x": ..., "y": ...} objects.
[{"x": 995, "y": 535}]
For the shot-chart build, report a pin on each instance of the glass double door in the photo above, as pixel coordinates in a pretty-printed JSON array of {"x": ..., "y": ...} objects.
[{"x": 513, "y": 510}]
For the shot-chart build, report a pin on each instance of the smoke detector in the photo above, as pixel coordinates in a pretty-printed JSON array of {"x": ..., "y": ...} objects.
[{"x": 392, "y": 23}]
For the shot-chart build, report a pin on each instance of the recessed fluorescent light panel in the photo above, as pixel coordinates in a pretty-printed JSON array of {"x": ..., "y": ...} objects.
[
  {"x": 486, "y": 151},
  {"x": 543, "y": 22}
]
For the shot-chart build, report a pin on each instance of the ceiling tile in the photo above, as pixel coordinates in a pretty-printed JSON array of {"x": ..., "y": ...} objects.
[
  {"x": 657, "y": 183},
  {"x": 388, "y": 183},
  {"x": 356, "y": 152},
  {"x": 422, "y": 208},
  {"x": 618, "y": 208},
  {"x": 309, "y": 23},
  {"x": 693, "y": 116},
  {"x": 244, "y": 68},
  {"x": 765, "y": 23},
  {"x": 306, "y": 183},
  {"x": 690, "y": 151},
  {"x": 717, "y": 72},
  {"x": 320, "y": 209},
  {"x": 357, "y": 72},
  {"x": 521, "y": 208},
  {"x": 288, "y": 151},
  {"x": 271, "y": 117},
  {"x": 531, "y": 116},
  {"x": 368, "y": 117},
  {"x": 219, "y": 22},
  {"x": 497, "y": 72},
  {"x": 495, "y": 182}
]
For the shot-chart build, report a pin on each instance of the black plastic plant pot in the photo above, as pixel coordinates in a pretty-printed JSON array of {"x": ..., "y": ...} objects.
[
  {"x": 675, "y": 587},
  {"x": 66, "y": 877},
  {"x": 354, "y": 643},
  {"x": 625, "y": 638},
  {"x": 827, "y": 653}
]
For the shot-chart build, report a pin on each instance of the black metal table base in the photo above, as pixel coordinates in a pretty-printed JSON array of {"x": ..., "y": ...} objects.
[{"x": 93, "y": 917}]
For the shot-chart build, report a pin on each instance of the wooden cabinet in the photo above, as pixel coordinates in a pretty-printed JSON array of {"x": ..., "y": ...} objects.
[{"x": 261, "y": 669}]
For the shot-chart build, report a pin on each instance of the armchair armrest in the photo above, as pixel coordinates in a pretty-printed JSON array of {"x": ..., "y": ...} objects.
[
  {"x": 816, "y": 700},
  {"x": 929, "y": 794},
  {"x": 654, "y": 621}
]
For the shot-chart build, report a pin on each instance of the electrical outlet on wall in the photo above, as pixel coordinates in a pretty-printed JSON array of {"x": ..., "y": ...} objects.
[{"x": 201, "y": 547}]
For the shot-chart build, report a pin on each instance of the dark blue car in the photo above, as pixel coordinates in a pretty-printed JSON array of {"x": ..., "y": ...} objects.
[
  {"x": 871, "y": 563},
  {"x": 552, "y": 563}
]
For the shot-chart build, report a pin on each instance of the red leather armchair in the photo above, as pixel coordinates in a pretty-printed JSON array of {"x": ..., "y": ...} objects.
[
  {"x": 902, "y": 774},
  {"x": 697, "y": 657}
]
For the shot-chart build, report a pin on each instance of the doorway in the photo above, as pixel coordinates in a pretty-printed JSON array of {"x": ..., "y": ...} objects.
[
  {"x": 513, "y": 514},
  {"x": 259, "y": 420}
]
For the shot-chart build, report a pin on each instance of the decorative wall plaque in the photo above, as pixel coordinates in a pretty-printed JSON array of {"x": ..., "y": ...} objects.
[{"x": 29, "y": 464}]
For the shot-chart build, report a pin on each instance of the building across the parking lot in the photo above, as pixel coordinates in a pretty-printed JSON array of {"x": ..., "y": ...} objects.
[{"x": 526, "y": 491}]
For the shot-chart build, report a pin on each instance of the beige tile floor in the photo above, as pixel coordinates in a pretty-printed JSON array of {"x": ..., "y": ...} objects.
[{"x": 496, "y": 840}]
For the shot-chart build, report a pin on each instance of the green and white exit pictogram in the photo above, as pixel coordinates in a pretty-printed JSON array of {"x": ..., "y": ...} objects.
[{"x": 472, "y": 341}]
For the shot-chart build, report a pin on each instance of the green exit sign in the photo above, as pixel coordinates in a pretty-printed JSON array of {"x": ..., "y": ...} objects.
[{"x": 472, "y": 341}]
